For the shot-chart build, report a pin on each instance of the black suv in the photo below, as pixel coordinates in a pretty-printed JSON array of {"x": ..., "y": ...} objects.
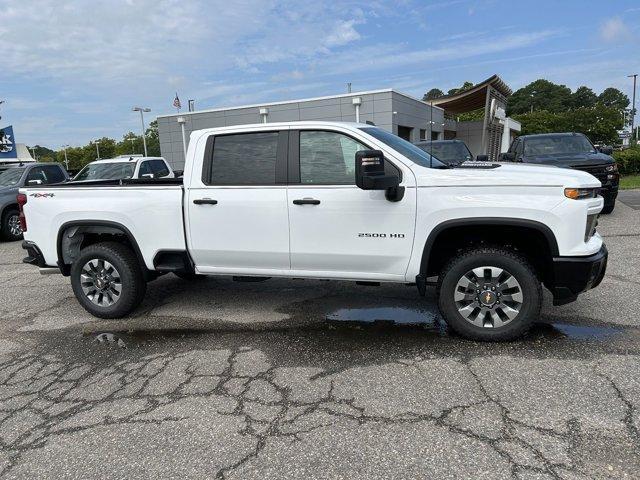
[
  {"x": 569, "y": 150},
  {"x": 451, "y": 152}
]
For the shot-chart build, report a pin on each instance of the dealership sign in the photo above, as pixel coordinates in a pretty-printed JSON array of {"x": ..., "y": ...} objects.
[{"x": 7, "y": 143}]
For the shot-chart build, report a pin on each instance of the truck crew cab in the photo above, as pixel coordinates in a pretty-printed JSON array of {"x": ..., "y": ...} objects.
[{"x": 327, "y": 200}]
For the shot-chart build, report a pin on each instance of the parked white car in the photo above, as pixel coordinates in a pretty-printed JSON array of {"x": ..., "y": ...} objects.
[
  {"x": 327, "y": 200},
  {"x": 125, "y": 167}
]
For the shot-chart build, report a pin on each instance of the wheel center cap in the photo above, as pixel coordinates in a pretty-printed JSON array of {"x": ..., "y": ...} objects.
[{"x": 488, "y": 298}]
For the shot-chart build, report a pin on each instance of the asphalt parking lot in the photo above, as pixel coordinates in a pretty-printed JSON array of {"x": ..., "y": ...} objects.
[{"x": 309, "y": 379}]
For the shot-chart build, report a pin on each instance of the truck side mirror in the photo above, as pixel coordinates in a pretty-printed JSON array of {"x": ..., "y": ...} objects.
[
  {"x": 482, "y": 158},
  {"x": 606, "y": 149},
  {"x": 370, "y": 174}
]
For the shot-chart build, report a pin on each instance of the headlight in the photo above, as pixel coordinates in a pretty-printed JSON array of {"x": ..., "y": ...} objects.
[
  {"x": 580, "y": 193},
  {"x": 612, "y": 168}
]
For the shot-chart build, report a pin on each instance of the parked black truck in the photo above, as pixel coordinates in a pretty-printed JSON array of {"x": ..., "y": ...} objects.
[{"x": 569, "y": 150}]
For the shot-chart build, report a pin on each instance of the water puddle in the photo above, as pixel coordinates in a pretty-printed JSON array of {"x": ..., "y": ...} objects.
[{"x": 584, "y": 332}]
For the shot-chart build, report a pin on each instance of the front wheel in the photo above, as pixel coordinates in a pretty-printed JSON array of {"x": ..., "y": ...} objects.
[
  {"x": 107, "y": 280},
  {"x": 489, "y": 294}
]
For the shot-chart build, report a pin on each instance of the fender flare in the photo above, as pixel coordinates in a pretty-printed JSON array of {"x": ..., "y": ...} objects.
[
  {"x": 486, "y": 221},
  {"x": 96, "y": 223}
]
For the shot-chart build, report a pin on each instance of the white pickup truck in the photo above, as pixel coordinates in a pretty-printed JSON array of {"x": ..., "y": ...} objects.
[{"x": 327, "y": 200}]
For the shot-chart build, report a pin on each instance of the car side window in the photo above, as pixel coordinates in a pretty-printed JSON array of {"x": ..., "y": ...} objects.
[
  {"x": 159, "y": 168},
  {"x": 37, "y": 174},
  {"x": 145, "y": 169},
  {"x": 243, "y": 159},
  {"x": 327, "y": 158},
  {"x": 54, "y": 174},
  {"x": 519, "y": 148}
]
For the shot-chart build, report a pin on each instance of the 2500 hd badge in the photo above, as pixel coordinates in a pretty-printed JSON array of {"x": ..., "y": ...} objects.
[{"x": 381, "y": 235}]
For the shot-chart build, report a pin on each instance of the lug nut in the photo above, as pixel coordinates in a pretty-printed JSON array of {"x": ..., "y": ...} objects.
[{"x": 493, "y": 288}]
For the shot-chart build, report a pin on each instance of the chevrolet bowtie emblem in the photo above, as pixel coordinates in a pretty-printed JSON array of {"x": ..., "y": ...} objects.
[{"x": 487, "y": 298}]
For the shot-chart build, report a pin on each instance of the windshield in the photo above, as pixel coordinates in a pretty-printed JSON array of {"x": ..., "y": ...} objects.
[
  {"x": 10, "y": 177},
  {"x": 557, "y": 145},
  {"x": 449, "y": 153},
  {"x": 106, "y": 171},
  {"x": 405, "y": 148}
]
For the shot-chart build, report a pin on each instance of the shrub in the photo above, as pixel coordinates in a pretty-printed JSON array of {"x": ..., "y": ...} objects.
[{"x": 628, "y": 161}]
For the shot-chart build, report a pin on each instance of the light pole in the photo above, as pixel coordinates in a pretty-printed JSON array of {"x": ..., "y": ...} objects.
[
  {"x": 97, "y": 143},
  {"x": 182, "y": 121},
  {"x": 142, "y": 111},
  {"x": 33, "y": 152},
  {"x": 66, "y": 160},
  {"x": 633, "y": 104}
]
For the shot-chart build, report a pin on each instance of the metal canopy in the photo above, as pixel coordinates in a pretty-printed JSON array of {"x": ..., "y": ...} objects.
[{"x": 472, "y": 99}]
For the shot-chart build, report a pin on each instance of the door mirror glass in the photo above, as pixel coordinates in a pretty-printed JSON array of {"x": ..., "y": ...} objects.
[
  {"x": 370, "y": 172},
  {"x": 482, "y": 158}
]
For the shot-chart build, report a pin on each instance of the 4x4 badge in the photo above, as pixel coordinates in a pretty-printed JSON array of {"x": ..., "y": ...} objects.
[{"x": 41, "y": 195}]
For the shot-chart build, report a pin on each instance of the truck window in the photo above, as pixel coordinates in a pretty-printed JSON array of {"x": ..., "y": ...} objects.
[
  {"x": 244, "y": 159},
  {"x": 327, "y": 158},
  {"x": 159, "y": 168},
  {"x": 145, "y": 169},
  {"x": 54, "y": 174}
]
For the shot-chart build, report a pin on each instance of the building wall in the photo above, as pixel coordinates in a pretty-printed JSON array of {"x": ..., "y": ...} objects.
[
  {"x": 416, "y": 115},
  {"x": 375, "y": 107},
  {"x": 471, "y": 134}
]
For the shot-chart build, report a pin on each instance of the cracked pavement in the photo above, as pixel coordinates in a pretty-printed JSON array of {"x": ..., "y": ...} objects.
[{"x": 309, "y": 379}]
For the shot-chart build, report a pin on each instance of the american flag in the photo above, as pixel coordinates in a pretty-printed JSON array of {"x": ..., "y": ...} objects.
[{"x": 176, "y": 102}]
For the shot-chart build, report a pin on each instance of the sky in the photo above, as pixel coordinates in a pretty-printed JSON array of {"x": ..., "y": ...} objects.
[{"x": 72, "y": 70}]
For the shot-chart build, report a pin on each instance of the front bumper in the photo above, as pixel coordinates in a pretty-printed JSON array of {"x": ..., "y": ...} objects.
[{"x": 574, "y": 275}]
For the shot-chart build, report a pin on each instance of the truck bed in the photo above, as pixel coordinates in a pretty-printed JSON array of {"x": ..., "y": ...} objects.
[{"x": 149, "y": 209}]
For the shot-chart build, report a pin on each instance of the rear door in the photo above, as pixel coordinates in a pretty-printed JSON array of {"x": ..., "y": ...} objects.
[
  {"x": 237, "y": 204},
  {"x": 337, "y": 228}
]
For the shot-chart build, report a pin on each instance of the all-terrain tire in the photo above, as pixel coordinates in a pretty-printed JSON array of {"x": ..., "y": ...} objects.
[
  {"x": 129, "y": 272},
  {"x": 501, "y": 258},
  {"x": 10, "y": 221}
]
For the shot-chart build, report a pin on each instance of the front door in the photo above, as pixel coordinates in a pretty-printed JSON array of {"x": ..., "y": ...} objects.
[
  {"x": 336, "y": 228},
  {"x": 238, "y": 220}
]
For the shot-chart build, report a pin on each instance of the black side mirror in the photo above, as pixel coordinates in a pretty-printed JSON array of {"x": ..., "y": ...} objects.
[
  {"x": 482, "y": 158},
  {"x": 508, "y": 157},
  {"x": 370, "y": 175},
  {"x": 607, "y": 150}
]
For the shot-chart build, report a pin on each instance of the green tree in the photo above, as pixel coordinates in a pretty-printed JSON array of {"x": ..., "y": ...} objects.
[
  {"x": 583, "y": 97},
  {"x": 153, "y": 139},
  {"x": 42, "y": 154},
  {"x": 541, "y": 95},
  {"x": 130, "y": 144},
  {"x": 465, "y": 86},
  {"x": 599, "y": 123},
  {"x": 433, "y": 94},
  {"x": 614, "y": 98}
]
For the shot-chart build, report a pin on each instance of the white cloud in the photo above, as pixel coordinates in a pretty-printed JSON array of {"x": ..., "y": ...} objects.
[{"x": 614, "y": 30}]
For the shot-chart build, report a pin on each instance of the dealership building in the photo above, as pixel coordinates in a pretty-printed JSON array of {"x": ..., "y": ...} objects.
[{"x": 404, "y": 115}]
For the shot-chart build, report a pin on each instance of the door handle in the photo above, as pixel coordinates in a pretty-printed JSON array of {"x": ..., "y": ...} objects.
[
  {"x": 306, "y": 201},
  {"x": 205, "y": 201}
]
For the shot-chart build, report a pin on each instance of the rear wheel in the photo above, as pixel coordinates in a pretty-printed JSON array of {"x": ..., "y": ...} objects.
[
  {"x": 489, "y": 294},
  {"x": 11, "y": 229},
  {"x": 107, "y": 280}
]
